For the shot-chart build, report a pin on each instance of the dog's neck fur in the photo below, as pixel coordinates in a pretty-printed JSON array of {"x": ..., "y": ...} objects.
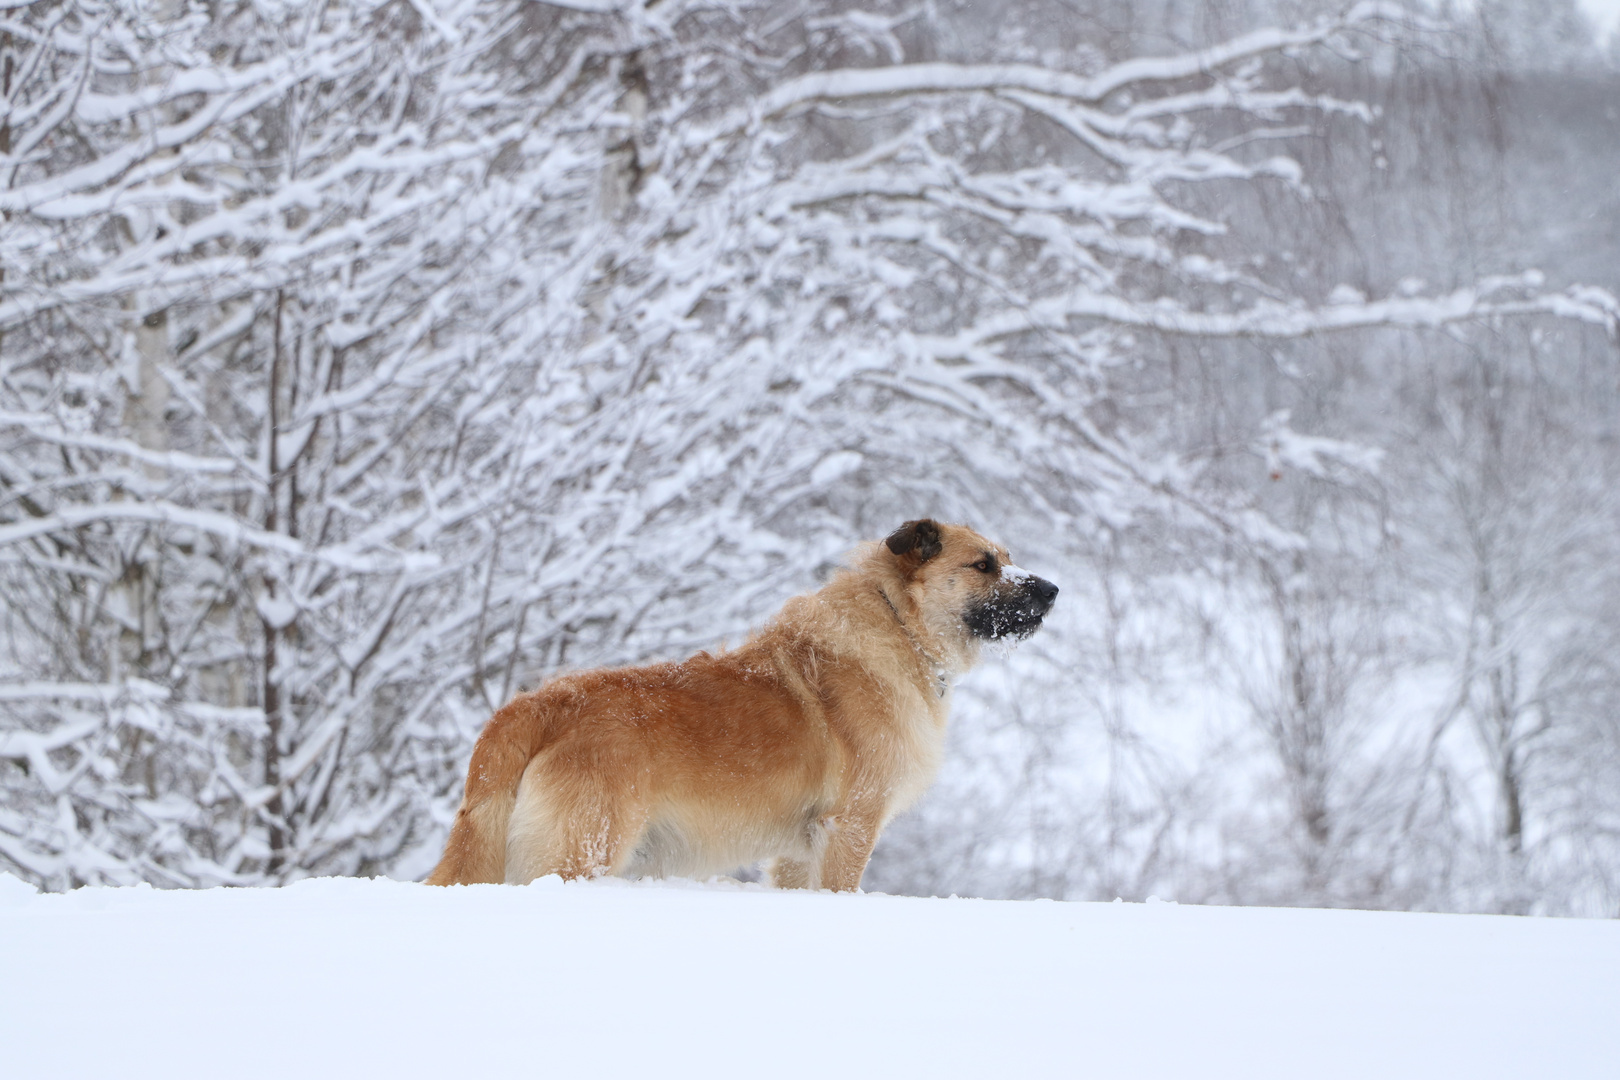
[
  {"x": 946, "y": 656},
  {"x": 942, "y": 675},
  {"x": 933, "y": 659}
]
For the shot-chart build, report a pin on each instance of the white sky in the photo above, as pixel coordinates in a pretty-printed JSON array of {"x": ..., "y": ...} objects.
[{"x": 1606, "y": 13}]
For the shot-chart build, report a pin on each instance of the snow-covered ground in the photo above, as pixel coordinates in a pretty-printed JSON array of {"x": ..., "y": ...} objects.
[{"x": 380, "y": 978}]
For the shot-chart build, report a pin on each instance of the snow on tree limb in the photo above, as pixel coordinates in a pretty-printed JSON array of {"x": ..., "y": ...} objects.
[{"x": 946, "y": 78}]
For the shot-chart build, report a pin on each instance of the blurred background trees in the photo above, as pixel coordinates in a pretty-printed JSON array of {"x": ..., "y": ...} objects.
[{"x": 363, "y": 363}]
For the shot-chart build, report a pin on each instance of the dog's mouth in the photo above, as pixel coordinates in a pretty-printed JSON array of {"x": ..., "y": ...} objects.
[{"x": 1014, "y": 615}]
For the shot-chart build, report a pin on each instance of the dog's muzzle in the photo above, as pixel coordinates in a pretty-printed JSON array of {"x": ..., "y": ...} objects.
[{"x": 1016, "y": 613}]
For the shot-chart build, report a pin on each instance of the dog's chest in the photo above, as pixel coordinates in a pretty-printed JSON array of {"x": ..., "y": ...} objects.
[{"x": 915, "y": 744}]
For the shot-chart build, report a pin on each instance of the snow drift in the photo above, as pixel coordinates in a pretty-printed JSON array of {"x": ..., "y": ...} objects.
[{"x": 382, "y": 978}]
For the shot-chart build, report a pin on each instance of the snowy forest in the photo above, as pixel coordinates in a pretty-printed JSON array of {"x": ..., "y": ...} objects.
[{"x": 363, "y": 362}]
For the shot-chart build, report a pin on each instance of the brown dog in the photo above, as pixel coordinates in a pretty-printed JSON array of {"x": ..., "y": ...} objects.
[{"x": 797, "y": 747}]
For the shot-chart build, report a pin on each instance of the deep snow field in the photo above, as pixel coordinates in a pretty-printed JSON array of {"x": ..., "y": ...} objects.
[{"x": 389, "y": 979}]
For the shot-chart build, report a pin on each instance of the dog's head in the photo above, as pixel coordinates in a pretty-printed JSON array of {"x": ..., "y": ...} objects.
[{"x": 965, "y": 586}]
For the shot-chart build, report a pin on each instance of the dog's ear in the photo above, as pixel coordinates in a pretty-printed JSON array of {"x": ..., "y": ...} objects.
[{"x": 917, "y": 541}]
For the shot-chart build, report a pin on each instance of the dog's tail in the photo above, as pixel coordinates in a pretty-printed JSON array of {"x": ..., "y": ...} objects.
[{"x": 476, "y": 850}]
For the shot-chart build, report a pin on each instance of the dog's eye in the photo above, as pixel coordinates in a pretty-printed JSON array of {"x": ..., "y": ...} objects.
[{"x": 983, "y": 566}]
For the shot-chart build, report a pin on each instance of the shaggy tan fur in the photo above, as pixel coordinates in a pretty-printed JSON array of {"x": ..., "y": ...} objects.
[{"x": 797, "y": 747}]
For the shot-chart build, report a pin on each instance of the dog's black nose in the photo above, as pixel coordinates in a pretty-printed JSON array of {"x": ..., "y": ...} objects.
[{"x": 1044, "y": 589}]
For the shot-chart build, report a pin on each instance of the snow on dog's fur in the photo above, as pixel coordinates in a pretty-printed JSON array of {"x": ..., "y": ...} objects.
[{"x": 797, "y": 747}]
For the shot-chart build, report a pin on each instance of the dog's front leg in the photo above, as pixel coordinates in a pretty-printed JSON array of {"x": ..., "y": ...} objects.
[{"x": 850, "y": 837}]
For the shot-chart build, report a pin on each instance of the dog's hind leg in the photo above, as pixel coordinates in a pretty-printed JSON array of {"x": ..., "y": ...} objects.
[
  {"x": 786, "y": 873},
  {"x": 571, "y": 829},
  {"x": 476, "y": 849}
]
